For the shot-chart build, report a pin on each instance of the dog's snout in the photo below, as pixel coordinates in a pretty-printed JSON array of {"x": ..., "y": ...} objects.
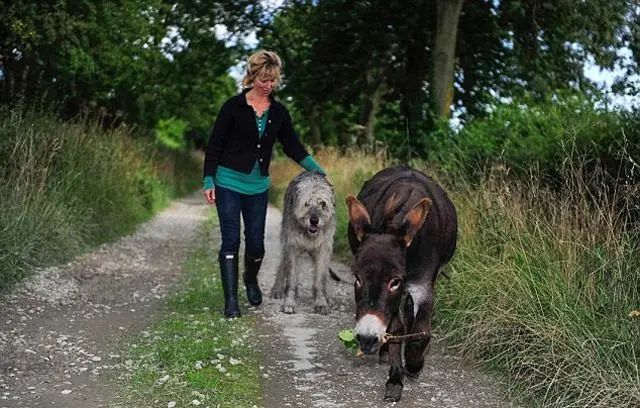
[
  {"x": 314, "y": 220},
  {"x": 368, "y": 344}
]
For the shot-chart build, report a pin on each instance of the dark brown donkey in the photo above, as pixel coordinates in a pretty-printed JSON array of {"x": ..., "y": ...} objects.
[{"x": 402, "y": 231}]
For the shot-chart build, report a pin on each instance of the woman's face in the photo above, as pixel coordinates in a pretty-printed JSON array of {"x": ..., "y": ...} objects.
[{"x": 264, "y": 86}]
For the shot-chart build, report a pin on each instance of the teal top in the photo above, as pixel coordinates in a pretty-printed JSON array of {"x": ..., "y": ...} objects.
[{"x": 254, "y": 182}]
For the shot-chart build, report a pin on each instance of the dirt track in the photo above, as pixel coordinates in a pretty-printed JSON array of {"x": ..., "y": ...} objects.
[{"x": 58, "y": 330}]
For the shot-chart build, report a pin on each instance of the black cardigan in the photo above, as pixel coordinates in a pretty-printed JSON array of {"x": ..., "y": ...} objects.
[{"x": 235, "y": 143}]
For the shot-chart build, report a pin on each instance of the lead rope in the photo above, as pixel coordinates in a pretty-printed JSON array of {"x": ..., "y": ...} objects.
[{"x": 390, "y": 338}]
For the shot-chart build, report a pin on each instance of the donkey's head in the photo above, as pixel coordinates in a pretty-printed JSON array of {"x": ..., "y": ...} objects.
[{"x": 380, "y": 266}]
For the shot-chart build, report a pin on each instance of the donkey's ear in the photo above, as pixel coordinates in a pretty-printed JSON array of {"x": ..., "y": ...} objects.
[
  {"x": 358, "y": 216},
  {"x": 414, "y": 219}
]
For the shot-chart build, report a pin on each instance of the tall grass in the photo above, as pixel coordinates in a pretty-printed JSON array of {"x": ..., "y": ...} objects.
[
  {"x": 66, "y": 186},
  {"x": 347, "y": 171},
  {"x": 543, "y": 287}
]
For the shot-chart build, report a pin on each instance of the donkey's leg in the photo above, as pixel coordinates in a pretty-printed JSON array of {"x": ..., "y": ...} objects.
[
  {"x": 423, "y": 297},
  {"x": 393, "y": 391},
  {"x": 291, "y": 277},
  {"x": 407, "y": 319},
  {"x": 321, "y": 266}
]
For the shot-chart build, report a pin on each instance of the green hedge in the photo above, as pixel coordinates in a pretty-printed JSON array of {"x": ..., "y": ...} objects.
[{"x": 547, "y": 136}]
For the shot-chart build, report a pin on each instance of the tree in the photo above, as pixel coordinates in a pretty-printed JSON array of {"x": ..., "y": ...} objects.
[
  {"x": 132, "y": 60},
  {"x": 424, "y": 56}
]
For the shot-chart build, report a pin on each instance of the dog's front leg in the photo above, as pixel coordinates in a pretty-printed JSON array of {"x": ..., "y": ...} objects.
[
  {"x": 321, "y": 265},
  {"x": 291, "y": 277}
]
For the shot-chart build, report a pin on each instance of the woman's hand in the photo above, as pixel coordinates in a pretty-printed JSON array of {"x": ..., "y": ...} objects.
[{"x": 210, "y": 195}]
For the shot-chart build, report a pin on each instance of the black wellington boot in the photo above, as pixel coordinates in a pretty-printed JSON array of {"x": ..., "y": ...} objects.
[
  {"x": 250, "y": 277},
  {"x": 229, "y": 277}
]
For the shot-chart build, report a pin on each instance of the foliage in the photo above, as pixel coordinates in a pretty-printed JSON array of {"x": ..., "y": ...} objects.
[
  {"x": 348, "y": 338},
  {"x": 194, "y": 353},
  {"x": 66, "y": 186},
  {"x": 547, "y": 135},
  {"x": 504, "y": 48},
  {"x": 543, "y": 287},
  {"x": 170, "y": 133},
  {"x": 136, "y": 61}
]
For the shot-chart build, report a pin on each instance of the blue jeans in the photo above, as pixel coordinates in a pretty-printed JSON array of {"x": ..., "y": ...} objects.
[{"x": 230, "y": 205}]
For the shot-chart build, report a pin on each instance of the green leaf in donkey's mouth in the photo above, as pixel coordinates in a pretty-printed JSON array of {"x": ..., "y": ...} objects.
[
  {"x": 348, "y": 338},
  {"x": 347, "y": 335}
]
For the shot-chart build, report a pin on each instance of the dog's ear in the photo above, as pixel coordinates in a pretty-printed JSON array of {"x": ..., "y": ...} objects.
[
  {"x": 414, "y": 219},
  {"x": 358, "y": 216}
]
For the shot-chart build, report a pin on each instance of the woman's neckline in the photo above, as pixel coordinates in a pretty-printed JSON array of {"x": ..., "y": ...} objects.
[{"x": 266, "y": 102}]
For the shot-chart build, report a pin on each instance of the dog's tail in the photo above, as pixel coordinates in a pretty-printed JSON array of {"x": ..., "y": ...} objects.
[{"x": 334, "y": 276}]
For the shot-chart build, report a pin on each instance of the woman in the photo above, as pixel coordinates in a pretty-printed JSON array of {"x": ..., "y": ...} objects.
[{"x": 236, "y": 171}]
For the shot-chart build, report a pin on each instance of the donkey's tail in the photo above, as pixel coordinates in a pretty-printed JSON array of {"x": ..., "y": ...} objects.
[{"x": 334, "y": 276}]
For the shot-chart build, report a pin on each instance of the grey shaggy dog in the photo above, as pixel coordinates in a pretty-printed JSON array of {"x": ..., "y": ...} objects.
[{"x": 308, "y": 227}]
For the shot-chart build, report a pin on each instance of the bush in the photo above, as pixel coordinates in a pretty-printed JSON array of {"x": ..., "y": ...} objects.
[
  {"x": 170, "y": 134},
  {"x": 547, "y": 136}
]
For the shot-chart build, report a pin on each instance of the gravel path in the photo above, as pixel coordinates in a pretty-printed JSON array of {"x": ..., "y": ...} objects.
[{"x": 58, "y": 329}]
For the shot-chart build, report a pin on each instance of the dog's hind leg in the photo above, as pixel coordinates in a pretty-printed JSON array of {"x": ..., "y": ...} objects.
[
  {"x": 321, "y": 267},
  {"x": 288, "y": 270},
  {"x": 279, "y": 288}
]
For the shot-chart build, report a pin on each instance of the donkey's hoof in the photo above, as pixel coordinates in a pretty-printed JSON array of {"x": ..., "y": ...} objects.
[
  {"x": 288, "y": 309},
  {"x": 321, "y": 309},
  {"x": 412, "y": 375},
  {"x": 393, "y": 392}
]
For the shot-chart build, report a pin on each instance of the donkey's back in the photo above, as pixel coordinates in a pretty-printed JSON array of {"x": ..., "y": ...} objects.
[{"x": 402, "y": 187}]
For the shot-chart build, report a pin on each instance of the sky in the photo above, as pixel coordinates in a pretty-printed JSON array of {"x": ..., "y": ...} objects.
[{"x": 606, "y": 77}]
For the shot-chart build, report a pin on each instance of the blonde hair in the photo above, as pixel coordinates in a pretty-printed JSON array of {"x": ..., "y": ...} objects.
[{"x": 262, "y": 64}]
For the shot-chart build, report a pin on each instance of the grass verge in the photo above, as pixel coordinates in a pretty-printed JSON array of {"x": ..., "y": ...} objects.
[
  {"x": 67, "y": 186},
  {"x": 544, "y": 290},
  {"x": 194, "y": 354}
]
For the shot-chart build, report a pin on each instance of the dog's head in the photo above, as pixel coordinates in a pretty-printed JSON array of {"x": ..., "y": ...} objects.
[{"x": 315, "y": 203}]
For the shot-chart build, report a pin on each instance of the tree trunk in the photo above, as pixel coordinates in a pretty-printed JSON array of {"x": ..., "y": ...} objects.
[
  {"x": 373, "y": 93},
  {"x": 444, "y": 51},
  {"x": 416, "y": 72},
  {"x": 314, "y": 125}
]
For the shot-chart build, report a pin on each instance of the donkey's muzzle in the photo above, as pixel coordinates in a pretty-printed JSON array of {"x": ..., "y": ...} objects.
[{"x": 368, "y": 344}]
